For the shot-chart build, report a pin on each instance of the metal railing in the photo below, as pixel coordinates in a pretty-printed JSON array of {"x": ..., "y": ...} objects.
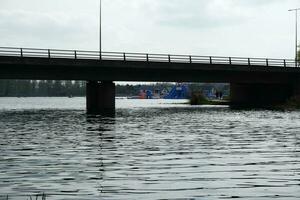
[{"x": 144, "y": 57}]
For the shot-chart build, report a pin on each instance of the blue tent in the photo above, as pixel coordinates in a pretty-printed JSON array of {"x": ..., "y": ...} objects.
[{"x": 179, "y": 91}]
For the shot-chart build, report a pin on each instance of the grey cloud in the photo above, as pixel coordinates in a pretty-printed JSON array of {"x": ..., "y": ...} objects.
[
  {"x": 207, "y": 14},
  {"x": 40, "y": 27},
  {"x": 256, "y": 3},
  {"x": 198, "y": 14},
  {"x": 199, "y": 26}
]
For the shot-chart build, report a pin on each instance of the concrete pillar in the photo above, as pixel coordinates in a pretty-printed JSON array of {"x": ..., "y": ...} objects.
[
  {"x": 92, "y": 97},
  {"x": 296, "y": 89},
  {"x": 100, "y": 97},
  {"x": 259, "y": 95}
]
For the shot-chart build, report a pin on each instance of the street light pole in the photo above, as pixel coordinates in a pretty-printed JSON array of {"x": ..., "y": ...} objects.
[
  {"x": 100, "y": 30},
  {"x": 296, "y": 48}
]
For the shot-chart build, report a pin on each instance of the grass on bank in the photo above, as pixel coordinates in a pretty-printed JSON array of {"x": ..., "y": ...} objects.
[
  {"x": 291, "y": 104},
  {"x": 197, "y": 98}
]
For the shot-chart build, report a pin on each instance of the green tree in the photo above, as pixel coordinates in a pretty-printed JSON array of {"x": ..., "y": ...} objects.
[
  {"x": 298, "y": 55},
  {"x": 2, "y": 87},
  {"x": 34, "y": 88},
  {"x": 43, "y": 88},
  {"x": 24, "y": 88}
]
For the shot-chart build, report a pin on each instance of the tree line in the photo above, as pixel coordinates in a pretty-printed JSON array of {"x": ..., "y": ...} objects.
[{"x": 32, "y": 88}]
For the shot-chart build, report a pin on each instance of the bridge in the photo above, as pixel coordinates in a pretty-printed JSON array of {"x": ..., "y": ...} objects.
[{"x": 254, "y": 81}]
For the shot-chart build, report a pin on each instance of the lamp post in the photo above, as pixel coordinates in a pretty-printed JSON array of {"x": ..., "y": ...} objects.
[
  {"x": 296, "y": 48},
  {"x": 100, "y": 29}
]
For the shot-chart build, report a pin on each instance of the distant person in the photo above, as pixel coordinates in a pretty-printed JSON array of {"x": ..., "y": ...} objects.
[
  {"x": 149, "y": 94},
  {"x": 217, "y": 94},
  {"x": 221, "y": 95}
]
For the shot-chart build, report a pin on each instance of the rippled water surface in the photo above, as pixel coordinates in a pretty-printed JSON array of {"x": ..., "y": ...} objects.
[{"x": 151, "y": 150}]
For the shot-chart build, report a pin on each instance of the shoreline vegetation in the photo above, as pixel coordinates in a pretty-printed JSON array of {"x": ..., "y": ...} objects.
[
  {"x": 197, "y": 98},
  {"x": 291, "y": 104},
  {"x": 32, "y": 88}
]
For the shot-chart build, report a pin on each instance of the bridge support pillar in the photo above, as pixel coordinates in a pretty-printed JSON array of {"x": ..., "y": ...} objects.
[
  {"x": 100, "y": 98},
  {"x": 259, "y": 95}
]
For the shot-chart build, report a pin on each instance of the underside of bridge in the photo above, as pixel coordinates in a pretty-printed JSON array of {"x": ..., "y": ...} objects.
[
  {"x": 261, "y": 95},
  {"x": 100, "y": 95}
]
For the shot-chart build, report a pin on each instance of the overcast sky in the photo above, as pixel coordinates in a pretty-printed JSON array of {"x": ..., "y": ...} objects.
[{"x": 251, "y": 28}]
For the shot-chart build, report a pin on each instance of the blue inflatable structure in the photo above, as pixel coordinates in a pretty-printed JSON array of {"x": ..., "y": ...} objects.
[
  {"x": 149, "y": 94},
  {"x": 179, "y": 91}
]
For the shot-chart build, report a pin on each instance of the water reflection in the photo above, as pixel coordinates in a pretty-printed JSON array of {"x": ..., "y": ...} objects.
[
  {"x": 102, "y": 128},
  {"x": 150, "y": 153}
]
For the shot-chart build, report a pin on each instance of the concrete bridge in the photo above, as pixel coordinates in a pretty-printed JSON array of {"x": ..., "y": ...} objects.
[{"x": 254, "y": 81}]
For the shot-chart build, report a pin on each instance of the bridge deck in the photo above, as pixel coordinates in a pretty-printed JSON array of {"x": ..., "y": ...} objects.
[
  {"x": 143, "y": 57},
  {"x": 54, "y": 64}
]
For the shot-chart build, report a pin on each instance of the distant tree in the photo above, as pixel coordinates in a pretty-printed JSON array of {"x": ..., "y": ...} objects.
[
  {"x": 34, "y": 87},
  {"x": 11, "y": 88},
  {"x": 43, "y": 89},
  {"x": 23, "y": 88},
  {"x": 27, "y": 88},
  {"x": 298, "y": 56},
  {"x": 77, "y": 88},
  {"x": 2, "y": 87}
]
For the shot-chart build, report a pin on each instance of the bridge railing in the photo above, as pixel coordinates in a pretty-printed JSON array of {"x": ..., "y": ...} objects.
[{"x": 144, "y": 57}]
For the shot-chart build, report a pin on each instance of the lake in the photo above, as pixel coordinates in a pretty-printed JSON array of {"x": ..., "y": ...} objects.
[{"x": 152, "y": 149}]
